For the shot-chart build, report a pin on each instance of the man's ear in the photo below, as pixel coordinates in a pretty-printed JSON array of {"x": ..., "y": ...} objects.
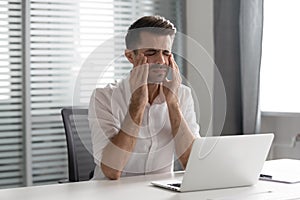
[{"x": 129, "y": 55}]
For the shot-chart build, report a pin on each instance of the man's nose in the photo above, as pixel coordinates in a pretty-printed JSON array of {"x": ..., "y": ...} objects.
[{"x": 160, "y": 59}]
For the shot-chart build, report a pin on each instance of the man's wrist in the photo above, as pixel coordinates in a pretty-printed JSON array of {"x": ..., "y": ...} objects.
[
  {"x": 130, "y": 127},
  {"x": 173, "y": 103},
  {"x": 133, "y": 119}
]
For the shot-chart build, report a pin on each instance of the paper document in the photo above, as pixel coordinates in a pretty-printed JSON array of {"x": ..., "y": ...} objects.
[{"x": 281, "y": 170}]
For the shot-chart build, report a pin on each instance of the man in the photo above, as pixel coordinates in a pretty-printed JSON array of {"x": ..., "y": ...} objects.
[{"x": 138, "y": 124}]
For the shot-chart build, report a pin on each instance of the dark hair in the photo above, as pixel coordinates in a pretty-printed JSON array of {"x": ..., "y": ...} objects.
[{"x": 154, "y": 24}]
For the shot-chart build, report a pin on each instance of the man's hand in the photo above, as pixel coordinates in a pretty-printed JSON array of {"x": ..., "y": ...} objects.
[
  {"x": 118, "y": 151},
  {"x": 138, "y": 81},
  {"x": 182, "y": 134},
  {"x": 170, "y": 87}
]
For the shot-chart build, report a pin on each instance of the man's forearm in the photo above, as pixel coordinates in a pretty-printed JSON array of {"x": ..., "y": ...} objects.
[
  {"x": 182, "y": 134},
  {"x": 117, "y": 152}
]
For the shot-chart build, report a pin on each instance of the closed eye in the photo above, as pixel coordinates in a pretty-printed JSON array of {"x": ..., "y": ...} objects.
[
  {"x": 150, "y": 52},
  {"x": 167, "y": 53}
]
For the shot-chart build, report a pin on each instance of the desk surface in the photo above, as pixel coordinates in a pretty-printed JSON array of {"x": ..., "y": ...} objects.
[{"x": 139, "y": 187}]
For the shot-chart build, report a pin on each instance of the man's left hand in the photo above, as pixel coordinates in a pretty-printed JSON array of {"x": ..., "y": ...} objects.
[{"x": 170, "y": 87}]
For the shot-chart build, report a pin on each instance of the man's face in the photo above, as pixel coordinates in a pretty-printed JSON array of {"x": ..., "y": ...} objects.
[{"x": 157, "y": 49}]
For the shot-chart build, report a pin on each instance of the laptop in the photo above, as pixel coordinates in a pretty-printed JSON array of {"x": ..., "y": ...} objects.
[{"x": 222, "y": 162}]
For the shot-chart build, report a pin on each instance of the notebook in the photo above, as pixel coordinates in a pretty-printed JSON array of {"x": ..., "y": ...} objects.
[
  {"x": 222, "y": 162},
  {"x": 281, "y": 170}
]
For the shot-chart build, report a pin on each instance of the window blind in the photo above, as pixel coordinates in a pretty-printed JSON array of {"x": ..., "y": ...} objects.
[
  {"x": 64, "y": 37},
  {"x": 11, "y": 139},
  {"x": 53, "y": 35}
]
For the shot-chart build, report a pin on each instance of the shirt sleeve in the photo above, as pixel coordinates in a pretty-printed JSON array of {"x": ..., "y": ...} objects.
[
  {"x": 102, "y": 123},
  {"x": 188, "y": 110}
]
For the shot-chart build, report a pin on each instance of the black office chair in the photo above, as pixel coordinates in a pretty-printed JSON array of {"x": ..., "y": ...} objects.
[{"x": 78, "y": 135}]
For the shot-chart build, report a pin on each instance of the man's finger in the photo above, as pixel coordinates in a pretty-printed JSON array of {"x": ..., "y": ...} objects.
[
  {"x": 173, "y": 62},
  {"x": 141, "y": 58},
  {"x": 145, "y": 69},
  {"x": 139, "y": 73},
  {"x": 136, "y": 60}
]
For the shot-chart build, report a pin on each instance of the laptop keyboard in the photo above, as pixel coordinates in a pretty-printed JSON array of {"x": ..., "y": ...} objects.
[{"x": 175, "y": 184}]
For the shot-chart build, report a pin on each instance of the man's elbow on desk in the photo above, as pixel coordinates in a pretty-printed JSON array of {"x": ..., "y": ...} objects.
[{"x": 110, "y": 173}]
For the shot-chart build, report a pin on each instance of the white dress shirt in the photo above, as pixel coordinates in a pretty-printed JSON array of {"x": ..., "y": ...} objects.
[{"x": 154, "y": 149}]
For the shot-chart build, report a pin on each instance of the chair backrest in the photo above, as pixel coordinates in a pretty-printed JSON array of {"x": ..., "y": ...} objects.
[{"x": 78, "y": 135}]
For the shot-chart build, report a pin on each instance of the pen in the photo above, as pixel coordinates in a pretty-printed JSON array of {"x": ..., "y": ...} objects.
[{"x": 265, "y": 176}]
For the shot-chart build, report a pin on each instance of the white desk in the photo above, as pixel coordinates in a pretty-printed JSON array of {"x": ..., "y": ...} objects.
[{"x": 139, "y": 188}]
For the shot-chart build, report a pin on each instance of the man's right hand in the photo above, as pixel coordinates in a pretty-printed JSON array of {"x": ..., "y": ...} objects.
[
  {"x": 117, "y": 152},
  {"x": 138, "y": 81}
]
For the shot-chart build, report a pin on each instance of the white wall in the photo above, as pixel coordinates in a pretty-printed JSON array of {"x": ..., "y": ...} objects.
[
  {"x": 200, "y": 32},
  {"x": 285, "y": 127}
]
